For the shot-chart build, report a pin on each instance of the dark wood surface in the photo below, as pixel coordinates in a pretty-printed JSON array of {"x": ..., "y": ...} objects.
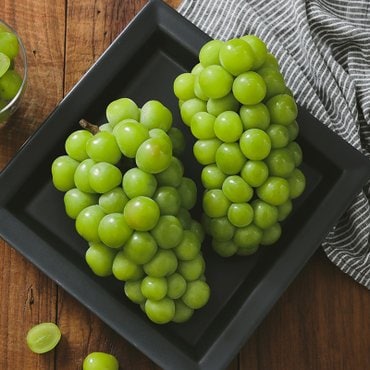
[{"x": 321, "y": 322}]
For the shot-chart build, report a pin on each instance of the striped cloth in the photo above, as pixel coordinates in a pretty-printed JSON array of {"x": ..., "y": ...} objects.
[{"x": 323, "y": 48}]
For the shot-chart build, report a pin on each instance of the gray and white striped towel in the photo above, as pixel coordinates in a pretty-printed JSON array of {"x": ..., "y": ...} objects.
[{"x": 323, "y": 48}]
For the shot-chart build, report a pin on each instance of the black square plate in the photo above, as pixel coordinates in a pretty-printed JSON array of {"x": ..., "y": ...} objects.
[{"x": 142, "y": 64}]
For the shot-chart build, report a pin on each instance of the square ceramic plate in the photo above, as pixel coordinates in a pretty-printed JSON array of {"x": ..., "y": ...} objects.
[{"x": 141, "y": 64}]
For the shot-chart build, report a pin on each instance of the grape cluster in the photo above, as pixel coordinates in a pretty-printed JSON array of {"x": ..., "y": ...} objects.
[
  {"x": 243, "y": 118},
  {"x": 125, "y": 188},
  {"x": 10, "y": 80}
]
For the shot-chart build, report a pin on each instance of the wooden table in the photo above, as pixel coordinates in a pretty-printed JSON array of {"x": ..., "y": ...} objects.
[{"x": 321, "y": 322}]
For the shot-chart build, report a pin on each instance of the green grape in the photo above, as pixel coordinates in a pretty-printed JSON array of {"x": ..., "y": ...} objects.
[
  {"x": 43, "y": 337},
  {"x": 184, "y": 217},
  {"x": 283, "y": 109},
  {"x": 132, "y": 291},
  {"x": 183, "y": 86},
  {"x": 140, "y": 247},
  {"x": 113, "y": 230},
  {"x": 249, "y": 88},
  {"x": 113, "y": 201},
  {"x": 225, "y": 103},
  {"x": 164, "y": 263},
  {"x": 240, "y": 214},
  {"x": 193, "y": 269},
  {"x": 204, "y": 150},
  {"x": 271, "y": 235},
  {"x": 255, "y": 116},
  {"x": 87, "y": 223},
  {"x": 154, "y": 288},
  {"x": 221, "y": 229},
  {"x": 297, "y": 183},
  {"x": 4, "y": 63},
  {"x": 124, "y": 269},
  {"x": 10, "y": 83},
  {"x": 296, "y": 151},
  {"x": 229, "y": 158},
  {"x": 102, "y": 147},
  {"x": 160, "y": 312},
  {"x": 209, "y": 53},
  {"x": 212, "y": 177},
  {"x": 182, "y": 312},
  {"x": 284, "y": 210},
  {"x": 104, "y": 177},
  {"x": 100, "y": 258},
  {"x": 259, "y": 50},
  {"x": 275, "y": 191},
  {"x": 106, "y": 127},
  {"x": 100, "y": 361},
  {"x": 215, "y": 81},
  {"x": 265, "y": 215},
  {"x": 197, "y": 294},
  {"x": 224, "y": 248},
  {"x": 168, "y": 200},
  {"x": 155, "y": 115},
  {"x": 197, "y": 69},
  {"x": 279, "y": 136},
  {"x": 236, "y": 189},
  {"x": 254, "y": 173},
  {"x": 280, "y": 162},
  {"x": 154, "y": 155},
  {"x": 75, "y": 144},
  {"x": 236, "y": 56},
  {"x": 274, "y": 81},
  {"x": 129, "y": 136},
  {"x": 62, "y": 170},
  {"x": 141, "y": 213},
  {"x": 228, "y": 126},
  {"x": 255, "y": 144},
  {"x": 9, "y": 44},
  {"x": 201, "y": 125},
  {"x": 270, "y": 62},
  {"x": 158, "y": 132},
  {"x": 293, "y": 129},
  {"x": 197, "y": 228},
  {"x": 215, "y": 203},
  {"x": 168, "y": 232},
  {"x": 176, "y": 286},
  {"x": 199, "y": 93},
  {"x": 189, "y": 246},
  {"x": 172, "y": 175},
  {"x": 247, "y": 251},
  {"x": 76, "y": 200},
  {"x": 248, "y": 237},
  {"x": 121, "y": 109},
  {"x": 188, "y": 193},
  {"x": 81, "y": 176},
  {"x": 190, "y": 107},
  {"x": 178, "y": 140},
  {"x": 136, "y": 182}
]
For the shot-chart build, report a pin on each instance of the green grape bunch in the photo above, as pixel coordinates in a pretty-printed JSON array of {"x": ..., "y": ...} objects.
[
  {"x": 243, "y": 117},
  {"x": 125, "y": 188}
]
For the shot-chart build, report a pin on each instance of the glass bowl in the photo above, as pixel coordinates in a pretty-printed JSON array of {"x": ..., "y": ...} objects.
[{"x": 8, "y": 105}]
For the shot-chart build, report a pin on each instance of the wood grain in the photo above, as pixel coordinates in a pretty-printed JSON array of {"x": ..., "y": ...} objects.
[{"x": 321, "y": 322}]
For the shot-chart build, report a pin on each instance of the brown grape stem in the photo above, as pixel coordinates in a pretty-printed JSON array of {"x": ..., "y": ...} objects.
[{"x": 89, "y": 126}]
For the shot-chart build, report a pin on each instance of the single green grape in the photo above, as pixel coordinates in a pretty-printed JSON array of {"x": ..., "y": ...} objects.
[
  {"x": 197, "y": 69},
  {"x": 188, "y": 193},
  {"x": 254, "y": 173},
  {"x": 259, "y": 49},
  {"x": 293, "y": 129},
  {"x": 279, "y": 136},
  {"x": 271, "y": 235},
  {"x": 121, "y": 109},
  {"x": 249, "y": 88},
  {"x": 104, "y": 177},
  {"x": 185, "y": 218},
  {"x": 160, "y": 312},
  {"x": 113, "y": 230},
  {"x": 176, "y": 285},
  {"x": 283, "y": 109},
  {"x": 113, "y": 201},
  {"x": 190, "y": 107},
  {"x": 100, "y": 258},
  {"x": 141, "y": 213},
  {"x": 224, "y": 248},
  {"x": 275, "y": 191},
  {"x": 182, "y": 312},
  {"x": 229, "y": 158},
  {"x": 164, "y": 263},
  {"x": 236, "y": 56},
  {"x": 240, "y": 214},
  {"x": 255, "y": 116},
  {"x": 199, "y": 93},
  {"x": 236, "y": 189},
  {"x": 280, "y": 162},
  {"x": 265, "y": 215},
  {"x": 212, "y": 177},
  {"x": 248, "y": 237},
  {"x": 76, "y": 200},
  {"x": 297, "y": 183},
  {"x": 124, "y": 269},
  {"x": 296, "y": 151},
  {"x": 204, "y": 150},
  {"x": 193, "y": 269},
  {"x": 220, "y": 228},
  {"x": 87, "y": 223},
  {"x": 284, "y": 210},
  {"x": 132, "y": 291},
  {"x": 274, "y": 81},
  {"x": 136, "y": 182},
  {"x": 183, "y": 86},
  {"x": 225, "y": 103},
  {"x": 172, "y": 175},
  {"x": 197, "y": 228},
  {"x": 154, "y": 288},
  {"x": 155, "y": 115},
  {"x": 228, "y": 127},
  {"x": 63, "y": 170},
  {"x": 270, "y": 62},
  {"x": 215, "y": 203},
  {"x": 178, "y": 140},
  {"x": 168, "y": 232},
  {"x": 188, "y": 247},
  {"x": 75, "y": 144},
  {"x": 209, "y": 53},
  {"x": 215, "y": 81},
  {"x": 255, "y": 144},
  {"x": 100, "y": 361},
  {"x": 168, "y": 200},
  {"x": 81, "y": 176},
  {"x": 102, "y": 147},
  {"x": 202, "y": 124},
  {"x": 43, "y": 337},
  {"x": 197, "y": 294},
  {"x": 140, "y": 247}
]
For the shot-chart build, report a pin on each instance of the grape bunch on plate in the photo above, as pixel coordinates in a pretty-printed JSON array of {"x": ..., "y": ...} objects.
[
  {"x": 243, "y": 118},
  {"x": 10, "y": 80},
  {"x": 126, "y": 190}
]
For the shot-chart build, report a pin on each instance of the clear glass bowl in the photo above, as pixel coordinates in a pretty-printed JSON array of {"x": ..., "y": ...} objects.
[{"x": 7, "y": 108}]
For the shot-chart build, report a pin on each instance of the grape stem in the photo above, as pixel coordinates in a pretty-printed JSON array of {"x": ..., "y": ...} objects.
[{"x": 89, "y": 126}]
